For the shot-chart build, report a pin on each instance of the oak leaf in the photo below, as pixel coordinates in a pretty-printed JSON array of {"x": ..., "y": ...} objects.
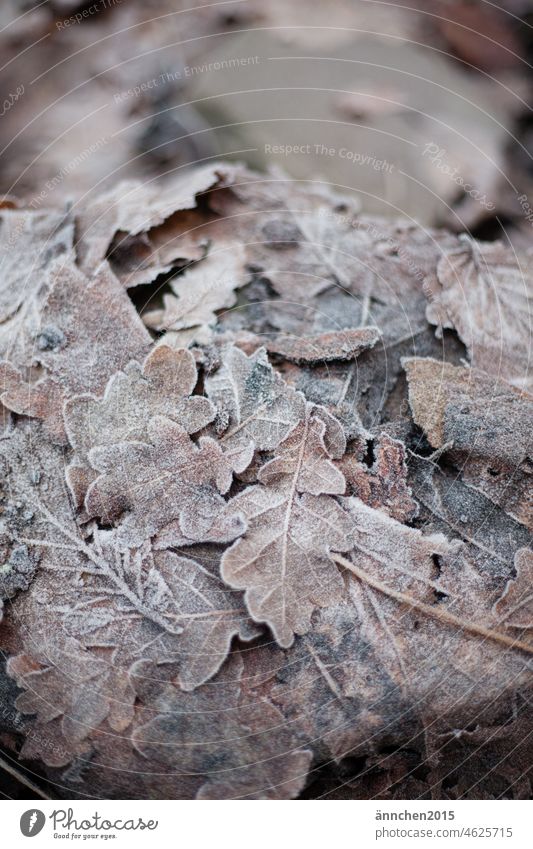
[
  {"x": 202, "y": 290},
  {"x": 254, "y": 404},
  {"x": 515, "y": 606},
  {"x": 484, "y": 423},
  {"x": 134, "y": 207},
  {"x": 149, "y": 485},
  {"x": 283, "y": 561},
  {"x": 240, "y": 746},
  {"x": 162, "y": 385}
]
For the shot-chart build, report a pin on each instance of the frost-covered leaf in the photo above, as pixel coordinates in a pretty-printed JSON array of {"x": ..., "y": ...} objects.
[
  {"x": 25, "y": 278},
  {"x": 254, "y": 404},
  {"x": 340, "y": 345},
  {"x": 99, "y": 329},
  {"x": 163, "y": 385},
  {"x": 240, "y": 746},
  {"x": 201, "y": 291},
  {"x": 76, "y": 317},
  {"x": 158, "y": 605},
  {"x": 146, "y": 486},
  {"x": 382, "y": 482},
  {"x": 40, "y": 399},
  {"x": 208, "y": 613},
  {"x": 133, "y": 207},
  {"x": 472, "y": 410},
  {"x": 484, "y": 291},
  {"x": 283, "y": 561},
  {"x": 75, "y": 689},
  {"x": 485, "y": 424},
  {"x": 515, "y": 607}
]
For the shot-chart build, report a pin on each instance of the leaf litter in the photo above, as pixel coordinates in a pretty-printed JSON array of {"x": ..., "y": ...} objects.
[{"x": 275, "y": 520}]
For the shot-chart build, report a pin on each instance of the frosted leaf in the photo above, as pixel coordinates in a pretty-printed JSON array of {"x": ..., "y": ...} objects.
[
  {"x": 339, "y": 345},
  {"x": 484, "y": 291},
  {"x": 161, "y": 386},
  {"x": 383, "y": 485},
  {"x": 515, "y": 606},
  {"x": 148, "y": 485},
  {"x": 485, "y": 424},
  {"x": 283, "y": 561},
  {"x": 134, "y": 207},
  {"x": 241, "y": 747},
  {"x": 201, "y": 291},
  {"x": 253, "y": 402}
]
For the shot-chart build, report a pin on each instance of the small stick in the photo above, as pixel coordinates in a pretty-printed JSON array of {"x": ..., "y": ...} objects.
[
  {"x": 435, "y": 613},
  {"x": 6, "y": 766}
]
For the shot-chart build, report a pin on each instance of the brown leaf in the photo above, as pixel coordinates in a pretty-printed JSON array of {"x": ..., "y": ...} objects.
[
  {"x": 383, "y": 485},
  {"x": 241, "y": 747},
  {"x": 209, "y": 614},
  {"x": 485, "y": 424},
  {"x": 283, "y": 561},
  {"x": 201, "y": 291},
  {"x": 484, "y": 292},
  {"x": 41, "y": 399},
  {"x": 254, "y": 404},
  {"x": 77, "y": 688},
  {"x": 163, "y": 385},
  {"x": 515, "y": 607},
  {"x": 76, "y": 313},
  {"x": 148, "y": 486},
  {"x": 25, "y": 273},
  {"x": 341, "y": 345},
  {"x": 134, "y": 208}
]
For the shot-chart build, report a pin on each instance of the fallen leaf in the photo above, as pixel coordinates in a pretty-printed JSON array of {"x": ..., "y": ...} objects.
[
  {"x": 201, "y": 291},
  {"x": 252, "y": 755},
  {"x": 149, "y": 485},
  {"x": 515, "y": 607},
  {"x": 162, "y": 385},
  {"x": 284, "y": 559},
  {"x": 342, "y": 345},
  {"x": 484, "y": 292},
  {"x": 254, "y": 404}
]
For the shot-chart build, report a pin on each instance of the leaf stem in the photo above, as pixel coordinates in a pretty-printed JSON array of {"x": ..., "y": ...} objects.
[
  {"x": 19, "y": 776},
  {"x": 439, "y": 614}
]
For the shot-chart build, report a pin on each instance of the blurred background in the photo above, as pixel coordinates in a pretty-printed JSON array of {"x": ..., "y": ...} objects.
[{"x": 418, "y": 110}]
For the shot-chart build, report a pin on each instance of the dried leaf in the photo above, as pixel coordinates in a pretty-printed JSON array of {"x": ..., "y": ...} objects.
[
  {"x": 515, "y": 607},
  {"x": 242, "y": 748},
  {"x": 208, "y": 614},
  {"x": 202, "y": 290},
  {"x": 25, "y": 274},
  {"x": 484, "y": 423},
  {"x": 382, "y": 483},
  {"x": 163, "y": 385},
  {"x": 41, "y": 399},
  {"x": 343, "y": 345},
  {"x": 134, "y": 208},
  {"x": 283, "y": 561},
  {"x": 148, "y": 486},
  {"x": 253, "y": 402},
  {"x": 484, "y": 292}
]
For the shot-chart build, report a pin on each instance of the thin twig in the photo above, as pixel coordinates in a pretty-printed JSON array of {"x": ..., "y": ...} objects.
[
  {"x": 7, "y": 767},
  {"x": 440, "y": 615}
]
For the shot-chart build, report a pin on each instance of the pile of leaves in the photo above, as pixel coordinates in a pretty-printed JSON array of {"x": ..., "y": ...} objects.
[{"x": 266, "y": 497}]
